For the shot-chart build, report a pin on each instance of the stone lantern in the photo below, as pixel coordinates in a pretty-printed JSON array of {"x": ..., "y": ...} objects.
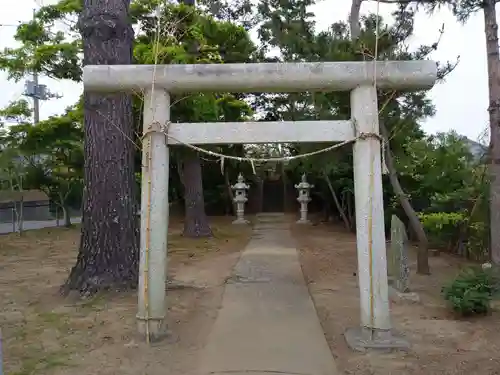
[
  {"x": 304, "y": 188},
  {"x": 240, "y": 198}
]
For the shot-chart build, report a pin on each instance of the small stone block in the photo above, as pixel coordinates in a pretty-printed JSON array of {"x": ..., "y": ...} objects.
[
  {"x": 303, "y": 222},
  {"x": 157, "y": 329},
  {"x": 434, "y": 253},
  {"x": 396, "y": 295},
  {"x": 240, "y": 221},
  {"x": 166, "y": 338},
  {"x": 362, "y": 339}
]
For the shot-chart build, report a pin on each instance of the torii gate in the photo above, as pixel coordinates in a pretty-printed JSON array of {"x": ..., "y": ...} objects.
[{"x": 357, "y": 77}]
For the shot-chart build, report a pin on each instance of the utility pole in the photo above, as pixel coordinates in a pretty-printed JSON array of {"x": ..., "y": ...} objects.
[
  {"x": 36, "y": 100},
  {"x": 37, "y": 92}
]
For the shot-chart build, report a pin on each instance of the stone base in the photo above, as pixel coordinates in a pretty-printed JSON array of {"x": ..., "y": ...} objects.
[
  {"x": 157, "y": 329},
  {"x": 434, "y": 253},
  {"x": 362, "y": 339},
  {"x": 403, "y": 296},
  {"x": 240, "y": 221},
  {"x": 300, "y": 221}
]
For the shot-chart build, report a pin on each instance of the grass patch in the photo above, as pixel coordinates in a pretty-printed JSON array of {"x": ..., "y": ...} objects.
[
  {"x": 94, "y": 303},
  {"x": 35, "y": 362},
  {"x": 40, "y": 344},
  {"x": 223, "y": 237},
  {"x": 39, "y": 239},
  {"x": 42, "y": 331},
  {"x": 53, "y": 320}
]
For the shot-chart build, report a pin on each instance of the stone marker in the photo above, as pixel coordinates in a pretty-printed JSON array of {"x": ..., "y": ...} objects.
[
  {"x": 397, "y": 262},
  {"x": 397, "y": 259}
]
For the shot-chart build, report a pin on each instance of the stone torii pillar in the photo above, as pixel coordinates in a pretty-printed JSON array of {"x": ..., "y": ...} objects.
[
  {"x": 357, "y": 77},
  {"x": 375, "y": 330},
  {"x": 154, "y": 216}
]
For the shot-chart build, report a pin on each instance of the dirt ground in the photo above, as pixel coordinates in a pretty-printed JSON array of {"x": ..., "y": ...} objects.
[
  {"x": 441, "y": 344},
  {"x": 46, "y": 334}
]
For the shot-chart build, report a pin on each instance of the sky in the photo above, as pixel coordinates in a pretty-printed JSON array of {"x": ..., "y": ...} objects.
[{"x": 467, "y": 114}]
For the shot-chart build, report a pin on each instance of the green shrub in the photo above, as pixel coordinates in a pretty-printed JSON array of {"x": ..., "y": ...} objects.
[
  {"x": 477, "y": 240},
  {"x": 444, "y": 231},
  {"x": 472, "y": 290},
  {"x": 442, "y": 228}
]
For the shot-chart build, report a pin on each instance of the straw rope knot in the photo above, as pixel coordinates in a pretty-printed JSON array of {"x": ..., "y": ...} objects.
[
  {"x": 157, "y": 127},
  {"x": 363, "y": 136}
]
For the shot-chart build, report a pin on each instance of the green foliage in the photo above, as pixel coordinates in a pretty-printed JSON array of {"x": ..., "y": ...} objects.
[
  {"x": 240, "y": 12},
  {"x": 457, "y": 232},
  {"x": 443, "y": 228},
  {"x": 472, "y": 290},
  {"x": 18, "y": 111},
  {"x": 461, "y": 9},
  {"x": 42, "y": 50},
  {"x": 478, "y": 240},
  {"x": 47, "y": 156},
  {"x": 440, "y": 172},
  {"x": 52, "y": 151},
  {"x": 437, "y": 173}
]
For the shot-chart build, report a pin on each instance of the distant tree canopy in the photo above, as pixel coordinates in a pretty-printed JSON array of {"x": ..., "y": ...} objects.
[{"x": 437, "y": 173}]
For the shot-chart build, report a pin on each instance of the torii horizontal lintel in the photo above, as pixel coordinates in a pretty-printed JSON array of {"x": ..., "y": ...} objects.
[
  {"x": 262, "y": 77},
  {"x": 261, "y": 132}
]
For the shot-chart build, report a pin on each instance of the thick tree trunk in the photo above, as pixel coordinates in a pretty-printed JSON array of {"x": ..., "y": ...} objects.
[
  {"x": 195, "y": 219},
  {"x": 491, "y": 34},
  {"x": 422, "y": 255},
  {"x": 108, "y": 255}
]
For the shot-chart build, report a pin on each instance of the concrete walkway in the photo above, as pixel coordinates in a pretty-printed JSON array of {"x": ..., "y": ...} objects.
[{"x": 267, "y": 323}]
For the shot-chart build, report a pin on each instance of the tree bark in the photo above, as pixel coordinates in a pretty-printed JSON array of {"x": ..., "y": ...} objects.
[
  {"x": 20, "y": 218},
  {"x": 195, "y": 219},
  {"x": 465, "y": 227},
  {"x": 423, "y": 244},
  {"x": 336, "y": 200},
  {"x": 66, "y": 217},
  {"x": 230, "y": 194},
  {"x": 284, "y": 180},
  {"x": 350, "y": 209},
  {"x": 65, "y": 210},
  {"x": 109, "y": 253},
  {"x": 491, "y": 35},
  {"x": 354, "y": 25}
]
